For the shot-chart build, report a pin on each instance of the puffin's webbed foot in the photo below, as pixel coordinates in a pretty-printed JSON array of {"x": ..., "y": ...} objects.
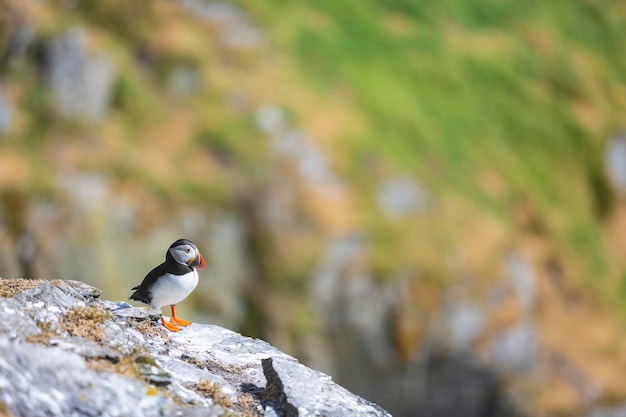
[
  {"x": 169, "y": 326},
  {"x": 176, "y": 320},
  {"x": 180, "y": 322}
]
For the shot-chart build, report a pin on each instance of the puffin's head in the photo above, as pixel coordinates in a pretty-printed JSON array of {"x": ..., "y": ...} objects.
[{"x": 185, "y": 252}]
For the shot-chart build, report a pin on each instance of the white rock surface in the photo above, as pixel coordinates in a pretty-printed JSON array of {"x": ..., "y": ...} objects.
[{"x": 56, "y": 376}]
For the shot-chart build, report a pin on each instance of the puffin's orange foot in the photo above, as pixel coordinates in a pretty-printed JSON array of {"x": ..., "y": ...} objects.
[
  {"x": 180, "y": 322},
  {"x": 169, "y": 326}
]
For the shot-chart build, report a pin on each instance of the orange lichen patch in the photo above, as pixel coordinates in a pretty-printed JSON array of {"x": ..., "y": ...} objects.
[
  {"x": 164, "y": 143},
  {"x": 427, "y": 293},
  {"x": 598, "y": 351},
  {"x": 561, "y": 399},
  {"x": 420, "y": 299},
  {"x": 478, "y": 238},
  {"x": 174, "y": 34},
  {"x": 331, "y": 206},
  {"x": 297, "y": 246},
  {"x": 202, "y": 167},
  {"x": 409, "y": 332},
  {"x": 67, "y": 152},
  {"x": 10, "y": 287},
  {"x": 15, "y": 171},
  {"x": 578, "y": 326},
  {"x": 30, "y": 10},
  {"x": 481, "y": 239},
  {"x": 506, "y": 315},
  {"x": 330, "y": 118},
  {"x": 423, "y": 239}
]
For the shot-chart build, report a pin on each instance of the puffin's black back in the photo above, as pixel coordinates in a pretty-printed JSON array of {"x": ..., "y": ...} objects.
[{"x": 170, "y": 266}]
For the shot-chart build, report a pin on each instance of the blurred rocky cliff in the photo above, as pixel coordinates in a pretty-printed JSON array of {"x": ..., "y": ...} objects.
[{"x": 343, "y": 169}]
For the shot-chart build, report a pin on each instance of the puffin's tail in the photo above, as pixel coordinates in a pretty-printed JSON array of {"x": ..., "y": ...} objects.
[{"x": 139, "y": 295}]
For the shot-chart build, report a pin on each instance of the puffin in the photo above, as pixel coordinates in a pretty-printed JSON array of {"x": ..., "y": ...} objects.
[{"x": 171, "y": 282}]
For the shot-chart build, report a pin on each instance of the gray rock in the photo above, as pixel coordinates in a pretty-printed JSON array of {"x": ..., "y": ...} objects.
[
  {"x": 214, "y": 12},
  {"x": 311, "y": 163},
  {"x": 326, "y": 281},
  {"x": 400, "y": 197},
  {"x": 234, "y": 27},
  {"x": 522, "y": 279},
  {"x": 278, "y": 207},
  {"x": 296, "y": 390},
  {"x": 116, "y": 305},
  {"x": 48, "y": 381},
  {"x": 56, "y": 379},
  {"x": 85, "y": 348},
  {"x": 123, "y": 309},
  {"x": 242, "y": 36},
  {"x": 270, "y": 119},
  {"x": 464, "y": 324},
  {"x": 229, "y": 268},
  {"x": 81, "y": 82},
  {"x": 368, "y": 305},
  {"x": 516, "y": 348},
  {"x": 89, "y": 190},
  {"x": 18, "y": 41},
  {"x": 184, "y": 81},
  {"x": 297, "y": 163},
  {"x": 615, "y": 161},
  {"x": 614, "y": 411},
  {"x": 356, "y": 309},
  {"x": 6, "y": 114}
]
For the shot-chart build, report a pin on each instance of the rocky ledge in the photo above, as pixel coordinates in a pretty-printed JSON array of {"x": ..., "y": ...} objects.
[{"x": 64, "y": 352}]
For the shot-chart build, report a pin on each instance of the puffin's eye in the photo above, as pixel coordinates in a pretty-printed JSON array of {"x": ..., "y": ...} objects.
[{"x": 187, "y": 250}]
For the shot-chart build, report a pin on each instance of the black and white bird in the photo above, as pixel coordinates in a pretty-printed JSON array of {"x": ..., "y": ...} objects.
[{"x": 171, "y": 282}]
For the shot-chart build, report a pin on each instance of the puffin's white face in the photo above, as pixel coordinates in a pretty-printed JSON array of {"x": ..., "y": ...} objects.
[{"x": 184, "y": 254}]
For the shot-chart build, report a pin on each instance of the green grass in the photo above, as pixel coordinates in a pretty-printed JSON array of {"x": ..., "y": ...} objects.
[{"x": 471, "y": 87}]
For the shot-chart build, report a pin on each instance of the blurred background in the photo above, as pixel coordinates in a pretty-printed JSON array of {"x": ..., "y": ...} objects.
[{"x": 424, "y": 199}]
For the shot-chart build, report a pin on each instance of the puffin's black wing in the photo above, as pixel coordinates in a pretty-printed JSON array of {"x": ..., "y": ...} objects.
[{"x": 142, "y": 292}]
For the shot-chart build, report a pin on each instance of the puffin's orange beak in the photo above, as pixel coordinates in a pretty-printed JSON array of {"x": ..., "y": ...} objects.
[{"x": 198, "y": 262}]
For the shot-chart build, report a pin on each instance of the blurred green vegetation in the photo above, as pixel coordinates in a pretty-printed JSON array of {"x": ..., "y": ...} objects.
[
  {"x": 452, "y": 91},
  {"x": 485, "y": 103}
]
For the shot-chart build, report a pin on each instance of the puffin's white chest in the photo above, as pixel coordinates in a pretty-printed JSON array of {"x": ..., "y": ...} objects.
[{"x": 172, "y": 289}]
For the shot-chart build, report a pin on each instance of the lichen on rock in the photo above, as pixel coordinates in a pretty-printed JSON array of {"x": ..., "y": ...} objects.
[{"x": 12, "y": 287}]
